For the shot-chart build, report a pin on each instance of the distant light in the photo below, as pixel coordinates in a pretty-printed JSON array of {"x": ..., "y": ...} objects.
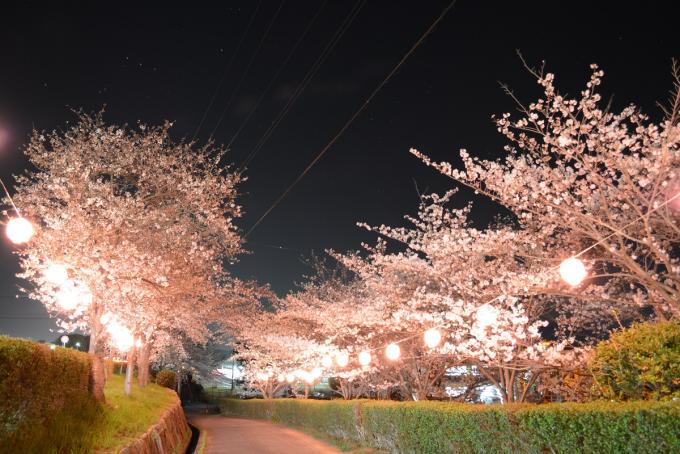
[
  {"x": 342, "y": 359},
  {"x": 309, "y": 377},
  {"x": 316, "y": 372},
  {"x": 64, "y": 339},
  {"x": 78, "y": 344},
  {"x": 19, "y": 230},
  {"x": 326, "y": 361},
  {"x": 393, "y": 352},
  {"x": 290, "y": 378},
  {"x": 487, "y": 315},
  {"x": 573, "y": 271},
  {"x": 432, "y": 337},
  {"x": 56, "y": 274},
  {"x": 138, "y": 343},
  {"x": 52, "y": 347},
  {"x": 281, "y": 377},
  {"x": 364, "y": 358}
]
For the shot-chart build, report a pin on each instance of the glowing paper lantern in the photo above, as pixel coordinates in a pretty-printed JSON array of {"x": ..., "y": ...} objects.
[
  {"x": 432, "y": 337},
  {"x": 393, "y": 352},
  {"x": 73, "y": 294},
  {"x": 316, "y": 372},
  {"x": 290, "y": 378},
  {"x": 342, "y": 359},
  {"x": 281, "y": 377},
  {"x": 573, "y": 271},
  {"x": 309, "y": 378},
  {"x": 19, "y": 230},
  {"x": 56, "y": 274},
  {"x": 364, "y": 358},
  {"x": 120, "y": 335},
  {"x": 326, "y": 361},
  {"x": 487, "y": 315}
]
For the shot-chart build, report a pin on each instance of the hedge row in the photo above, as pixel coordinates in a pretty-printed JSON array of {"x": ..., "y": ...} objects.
[
  {"x": 38, "y": 387},
  {"x": 438, "y": 427}
]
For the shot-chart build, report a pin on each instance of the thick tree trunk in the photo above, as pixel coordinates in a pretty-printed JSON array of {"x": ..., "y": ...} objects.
[
  {"x": 97, "y": 372},
  {"x": 143, "y": 365},
  {"x": 130, "y": 370}
]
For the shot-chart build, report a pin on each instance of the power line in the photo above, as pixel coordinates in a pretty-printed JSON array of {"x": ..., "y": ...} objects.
[
  {"x": 353, "y": 117},
  {"x": 247, "y": 70},
  {"x": 346, "y": 23},
  {"x": 227, "y": 69},
  {"x": 276, "y": 75}
]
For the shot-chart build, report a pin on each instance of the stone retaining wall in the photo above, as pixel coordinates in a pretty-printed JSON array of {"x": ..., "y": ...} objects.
[{"x": 170, "y": 435}]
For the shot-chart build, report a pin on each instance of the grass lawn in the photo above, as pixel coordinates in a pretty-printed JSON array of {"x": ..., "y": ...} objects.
[{"x": 107, "y": 428}]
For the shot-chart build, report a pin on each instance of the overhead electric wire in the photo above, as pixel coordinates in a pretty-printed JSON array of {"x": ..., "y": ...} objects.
[
  {"x": 276, "y": 75},
  {"x": 227, "y": 69},
  {"x": 306, "y": 80},
  {"x": 247, "y": 70},
  {"x": 353, "y": 117}
]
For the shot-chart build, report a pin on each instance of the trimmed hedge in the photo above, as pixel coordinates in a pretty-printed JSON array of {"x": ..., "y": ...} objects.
[
  {"x": 438, "y": 427},
  {"x": 40, "y": 388}
]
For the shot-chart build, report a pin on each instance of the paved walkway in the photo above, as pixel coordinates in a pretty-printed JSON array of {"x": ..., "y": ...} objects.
[{"x": 246, "y": 436}]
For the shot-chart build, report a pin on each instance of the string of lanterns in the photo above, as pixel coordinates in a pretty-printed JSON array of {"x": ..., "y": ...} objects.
[{"x": 19, "y": 231}]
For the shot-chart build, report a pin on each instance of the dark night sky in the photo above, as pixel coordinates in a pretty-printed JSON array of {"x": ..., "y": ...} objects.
[{"x": 156, "y": 63}]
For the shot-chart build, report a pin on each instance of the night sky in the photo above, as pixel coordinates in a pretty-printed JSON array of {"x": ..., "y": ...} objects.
[{"x": 157, "y": 63}]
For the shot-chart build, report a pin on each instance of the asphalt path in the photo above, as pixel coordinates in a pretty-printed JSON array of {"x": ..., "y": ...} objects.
[{"x": 235, "y": 435}]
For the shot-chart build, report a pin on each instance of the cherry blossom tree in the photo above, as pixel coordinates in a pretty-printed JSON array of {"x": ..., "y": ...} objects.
[
  {"x": 605, "y": 183},
  {"x": 129, "y": 226}
]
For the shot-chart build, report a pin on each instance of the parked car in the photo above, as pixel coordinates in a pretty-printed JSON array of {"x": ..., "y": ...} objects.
[
  {"x": 250, "y": 394},
  {"x": 319, "y": 395}
]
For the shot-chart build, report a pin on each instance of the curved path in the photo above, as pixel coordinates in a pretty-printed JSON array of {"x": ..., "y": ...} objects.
[{"x": 234, "y": 435}]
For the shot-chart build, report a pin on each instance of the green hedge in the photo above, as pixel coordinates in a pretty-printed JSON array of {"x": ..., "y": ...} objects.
[
  {"x": 437, "y": 427},
  {"x": 40, "y": 389}
]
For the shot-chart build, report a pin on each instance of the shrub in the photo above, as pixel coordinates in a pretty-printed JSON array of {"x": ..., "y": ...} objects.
[
  {"x": 40, "y": 390},
  {"x": 640, "y": 362},
  {"x": 441, "y": 427},
  {"x": 166, "y": 378}
]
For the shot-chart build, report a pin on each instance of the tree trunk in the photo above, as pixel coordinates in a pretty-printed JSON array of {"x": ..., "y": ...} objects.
[
  {"x": 97, "y": 372},
  {"x": 143, "y": 365},
  {"x": 130, "y": 370}
]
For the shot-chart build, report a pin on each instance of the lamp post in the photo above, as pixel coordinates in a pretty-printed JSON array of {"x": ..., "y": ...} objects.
[{"x": 64, "y": 340}]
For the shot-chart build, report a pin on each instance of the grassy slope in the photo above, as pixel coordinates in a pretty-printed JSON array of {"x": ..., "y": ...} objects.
[
  {"x": 128, "y": 417},
  {"x": 110, "y": 427}
]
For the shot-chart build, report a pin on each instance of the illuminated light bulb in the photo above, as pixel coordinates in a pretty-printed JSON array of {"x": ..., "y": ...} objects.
[
  {"x": 56, "y": 274},
  {"x": 290, "y": 378},
  {"x": 573, "y": 271},
  {"x": 326, "y": 361},
  {"x": 281, "y": 377},
  {"x": 393, "y": 352},
  {"x": 19, "y": 230},
  {"x": 316, "y": 372},
  {"x": 364, "y": 358},
  {"x": 432, "y": 337},
  {"x": 487, "y": 315},
  {"x": 342, "y": 359}
]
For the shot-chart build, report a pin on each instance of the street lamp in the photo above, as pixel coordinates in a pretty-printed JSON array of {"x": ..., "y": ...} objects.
[{"x": 64, "y": 340}]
